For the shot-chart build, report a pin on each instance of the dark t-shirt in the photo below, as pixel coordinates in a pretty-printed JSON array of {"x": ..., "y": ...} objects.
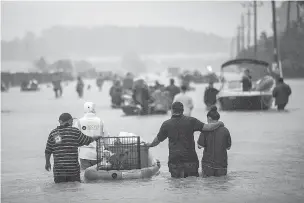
[
  {"x": 246, "y": 81},
  {"x": 174, "y": 90},
  {"x": 210, "y": 96},
  {"x": 179, "y": 130}
]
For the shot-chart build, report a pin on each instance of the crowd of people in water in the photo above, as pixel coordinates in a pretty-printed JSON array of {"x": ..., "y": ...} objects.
[{"x": 79, "y": 139}]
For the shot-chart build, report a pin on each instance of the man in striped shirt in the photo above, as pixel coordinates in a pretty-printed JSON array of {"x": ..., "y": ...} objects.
[{"x": 63, "y": 143}]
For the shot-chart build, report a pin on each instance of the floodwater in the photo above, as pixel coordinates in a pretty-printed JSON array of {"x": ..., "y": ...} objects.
[{"x": 266, "y": 160}]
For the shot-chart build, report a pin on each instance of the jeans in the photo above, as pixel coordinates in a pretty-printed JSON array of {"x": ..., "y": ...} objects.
[
  {"x": 183, "y": 170},
  {"x": 63, "y": 179},
  {"x": 209, "y": 171}
]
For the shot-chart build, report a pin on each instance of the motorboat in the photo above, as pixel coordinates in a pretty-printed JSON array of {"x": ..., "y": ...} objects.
[{"x": 232, "y": 96}]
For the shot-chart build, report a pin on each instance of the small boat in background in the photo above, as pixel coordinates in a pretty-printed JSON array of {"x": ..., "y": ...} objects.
[{"x": 232, "y": 96}]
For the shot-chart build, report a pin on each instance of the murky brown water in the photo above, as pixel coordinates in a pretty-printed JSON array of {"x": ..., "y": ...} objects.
[{"x": 266, "y": 161}]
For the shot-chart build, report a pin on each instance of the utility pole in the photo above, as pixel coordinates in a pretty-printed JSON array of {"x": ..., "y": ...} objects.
[
  {"x": 248, "y": 27},
  {"x": 255, "y": 28},
  {"x": 238, "y": 39},
  {"x": 275, "y": 38},
  {"x": 253, "y": 4},
  {"x": 288, "y": 15},
  {"x": 232, "y": 48},
  {"x": 242, "y": 32},
  {"x": 298, "y": 11}
]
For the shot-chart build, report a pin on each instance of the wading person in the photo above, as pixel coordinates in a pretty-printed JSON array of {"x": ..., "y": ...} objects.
[
  {"x": 281, "y": 94},
  {"x": 185, "y": 99},
  {"x": 172, "y": 89},
  {"x": 210, "y": 95},
  {"x": 90, "y": 125},
  {"x": 80, "y": 87},
  {"x": 183, "y": 160},
  {"x": 215, "y": 144},
  {"x": 99, "y": 82},
  {"x": 116, "y": 93},
  {"x": 63, "y": 143},
  {"x": 57, "y": 87}
]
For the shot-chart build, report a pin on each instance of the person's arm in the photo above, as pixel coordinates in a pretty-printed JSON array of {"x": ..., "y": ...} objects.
[
  {"x": 212, "y": 126},
  {"x": 201, "y": 142},
  {"x": 86, "y": 140},
  {"x": 111, "y": 91},
  {"x": 288, "y": 90},
  {"x": 228, "y": 140},
  {"x": 49, "y": 149},
  {"x": 161, "y": 136},
  {"x": 274, "y": 92},
  {"x": 205, "y": 96}
]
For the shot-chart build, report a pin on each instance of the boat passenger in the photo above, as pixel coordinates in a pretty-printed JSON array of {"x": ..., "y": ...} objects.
[
  {"x": 90, "y": 124},
  {"x": 215, "y": 144},
  {"x": 172, "y": 89},
  {"x": 281, "y": 93},
  {"x": 141, "y": 96},
  {"x": 210, "y": 95},
  {"x": 185, "y": 99},
  {"x": 63, "y": 143},
  {"x": 128, "y": 82},
  {"x": 246, "y": 81},
  {"x": 157, "y": 85},
  {"x": 179, "y": 129}
]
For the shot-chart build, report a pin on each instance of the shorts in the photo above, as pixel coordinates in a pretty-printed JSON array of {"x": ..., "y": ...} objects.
[
  {"x": 64, "y": 179},
  {"x": 183, "y": 170},
  {"x": 86, "y": 163},
  {"x": 209, "y": 171}
]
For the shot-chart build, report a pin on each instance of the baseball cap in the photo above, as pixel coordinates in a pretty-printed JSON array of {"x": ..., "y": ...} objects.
[
  {"x": 177, "y": 106},
  {"x": 65, "y": 117}
]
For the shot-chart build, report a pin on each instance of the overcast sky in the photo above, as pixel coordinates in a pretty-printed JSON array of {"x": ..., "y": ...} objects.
[{"x": 220, "y": 17}]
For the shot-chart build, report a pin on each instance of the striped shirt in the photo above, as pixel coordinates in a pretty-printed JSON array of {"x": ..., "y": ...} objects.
[{"x": 63, "y": 143}]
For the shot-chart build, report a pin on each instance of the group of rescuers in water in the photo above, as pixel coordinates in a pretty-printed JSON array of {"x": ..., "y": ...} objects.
[
  {"x": 145, "y": 96},
  {"x": 70, "y": 141}
]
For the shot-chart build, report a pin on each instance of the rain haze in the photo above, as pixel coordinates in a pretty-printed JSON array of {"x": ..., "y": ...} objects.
[
  {"x": 216, "y": 17},
  {"x": 152, "y": 101}
]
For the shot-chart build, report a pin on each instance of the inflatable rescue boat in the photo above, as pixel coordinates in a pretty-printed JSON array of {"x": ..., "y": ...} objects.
[{"x": 138, "y": 163}]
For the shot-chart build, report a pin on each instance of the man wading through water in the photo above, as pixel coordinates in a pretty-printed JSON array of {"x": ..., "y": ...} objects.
[
  {"x": 183, "y": 160},
  {"x": 63, "y": 143}
]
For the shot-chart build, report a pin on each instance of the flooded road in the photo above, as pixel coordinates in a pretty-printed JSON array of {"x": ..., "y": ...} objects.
[{"x": 265, "y": 163}]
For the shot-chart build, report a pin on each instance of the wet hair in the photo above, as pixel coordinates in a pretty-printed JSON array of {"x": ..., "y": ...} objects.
[
  {"x": 183, "y": 87},
  {"x": 281, "y": 80},
  {"x": 172, "y": 81},
  {"x": 213, "y": 114}
]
